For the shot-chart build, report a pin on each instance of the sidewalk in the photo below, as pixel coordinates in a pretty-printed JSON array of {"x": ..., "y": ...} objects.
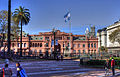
[{"x": 92, "y": 74}]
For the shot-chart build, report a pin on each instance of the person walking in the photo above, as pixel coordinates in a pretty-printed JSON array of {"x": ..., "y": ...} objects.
[
  {"x": 113, "y": 66},
  {"x": 6, "y": 71},
  {"x": 20, "y": 71},
  {"x": 107, "y": 67},
  {"x": 61, "y": 57}
]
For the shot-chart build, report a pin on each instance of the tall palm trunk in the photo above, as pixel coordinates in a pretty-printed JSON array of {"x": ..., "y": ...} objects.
[
  {"x": 9, "y": 25},
  {"x": 21, "y": 40}
]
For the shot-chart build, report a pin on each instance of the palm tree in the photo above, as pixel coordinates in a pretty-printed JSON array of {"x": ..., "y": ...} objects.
[{"x": 22, "y": 16}]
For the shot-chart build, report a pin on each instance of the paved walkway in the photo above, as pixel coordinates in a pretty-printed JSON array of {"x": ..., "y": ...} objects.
[
  {"x": 92, "y": 74},
  {"x": 66, "y": 68}
]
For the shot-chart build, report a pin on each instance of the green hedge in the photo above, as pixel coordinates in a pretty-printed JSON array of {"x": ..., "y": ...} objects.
[
  {"x": 102, "y": 62},
  {"x": 96, "y": 62}
]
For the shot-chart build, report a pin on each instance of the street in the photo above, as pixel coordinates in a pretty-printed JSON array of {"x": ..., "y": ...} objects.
[{"x": 52, "y": 68}]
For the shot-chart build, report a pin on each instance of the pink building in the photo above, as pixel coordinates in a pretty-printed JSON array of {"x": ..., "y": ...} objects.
[{"x": 42, "y": 43}]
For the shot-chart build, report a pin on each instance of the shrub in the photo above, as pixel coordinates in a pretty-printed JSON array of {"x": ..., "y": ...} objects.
[{"x": 96, "y": 62}]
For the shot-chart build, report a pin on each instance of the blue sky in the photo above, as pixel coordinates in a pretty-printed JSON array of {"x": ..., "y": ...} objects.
[{"x": 46, "y": 14}]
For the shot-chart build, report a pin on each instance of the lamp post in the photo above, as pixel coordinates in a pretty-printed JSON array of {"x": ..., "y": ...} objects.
[
  {"x": 9, "y": 26},
  {"x": 54, "y": 42}
]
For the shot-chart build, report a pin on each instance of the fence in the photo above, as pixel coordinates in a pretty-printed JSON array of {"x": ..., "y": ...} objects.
[{"x": 48, "y": 55}]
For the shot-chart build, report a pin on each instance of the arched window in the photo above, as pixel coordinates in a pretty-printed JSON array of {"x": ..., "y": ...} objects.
[
  {"x": 79, "y": 45},
  {"x": 74, "y": 51},
  {"x": 95, "y": 45},
  {"x": 94, "y": 51},
  {"x": 18, "y": 44},
  {"x": 88, "y": 45},
  {"x": 92, "y": 45},
  {"x": 83, "y": 51},
  {"x": 47, "y": 45},
  {"x": 84, "y": 45},
  {"x": 24, "y": 44},
  {"x": 35, "y": 52},
  {"x": 12, "y": 44},
  {"x": 33, "y": 44},
  {"x": 38, "y": 44},
  {"x": 79, "y": 51}
]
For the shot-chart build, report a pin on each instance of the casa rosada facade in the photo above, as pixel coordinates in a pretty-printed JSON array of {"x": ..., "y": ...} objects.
[{"x": 42, "y": 43}]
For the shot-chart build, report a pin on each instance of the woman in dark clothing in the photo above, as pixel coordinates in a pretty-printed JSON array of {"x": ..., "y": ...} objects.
[
  {"x": 107, "y": 67},
  {"x": 18, "y": 69}
]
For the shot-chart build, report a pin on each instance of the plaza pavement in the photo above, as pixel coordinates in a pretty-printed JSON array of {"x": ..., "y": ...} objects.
[{"x": 66, "y": 68}]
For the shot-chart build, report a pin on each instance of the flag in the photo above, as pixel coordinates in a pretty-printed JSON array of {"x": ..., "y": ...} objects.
[{"x": 67, "y": 17}]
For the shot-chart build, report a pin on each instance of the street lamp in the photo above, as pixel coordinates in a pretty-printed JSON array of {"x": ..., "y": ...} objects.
[
  {"x": 9, "y": 26},
  {"x": 54, "y": 42}
]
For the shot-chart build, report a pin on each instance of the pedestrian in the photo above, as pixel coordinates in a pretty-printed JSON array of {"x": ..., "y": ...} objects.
[
  {"x": 107, "y": 67},
  {"x": 20, "y": 71},
  {"x": 113, "y": 66},
  {"x": 61, "y": 57},
  {"x": 6, "y": 71},
  {"x": 6, "y": 61}
]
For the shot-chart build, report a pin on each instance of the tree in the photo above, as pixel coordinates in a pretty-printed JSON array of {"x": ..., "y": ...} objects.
[
  {"x": 22, "y": 16},
  {"x": 102, "y": 49},
  {"x": 4, "y": 27},
  {"x": 115, "y": 36}
]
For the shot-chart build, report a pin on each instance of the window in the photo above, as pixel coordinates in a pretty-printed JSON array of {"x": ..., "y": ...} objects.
[
  {"x": 79, "y": 45},
  {"x": 35, "y": 44},
  {"x": 18, "y": 44},
  {"x": 63, "y": 45},
  {"x": 68, "y": 45},
  {"x": 83, "y": 51},
  {"x": 46, "y": 38},
  {"x": 89, "y": 45},
  {"x": 84, "y": 45},
  {"x": 74, "y": 45},
  {"x": 35, "y": 52},
  {"x": 24, "y": 44},
  {"x": 68, "y": 38},
  {"x": 92, "y": 45},
  {"x": 79, "y": 51},
  {"x": 94, "y": 51},
  {"x": 74, "y": 51},
  {"x": 95, "y": 45},
  {"x": 46, "y": 44},
  {"x": 12, "y": 44},
  {"x": 40, "y": 44},
  {"x": 40, "y": 51}
]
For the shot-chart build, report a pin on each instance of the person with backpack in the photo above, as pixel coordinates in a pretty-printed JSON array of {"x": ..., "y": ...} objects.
[
  {"x": 20, "y": 71},
  {"x": 6, "y": 71},
  {"x": 106, "y": 66}
]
